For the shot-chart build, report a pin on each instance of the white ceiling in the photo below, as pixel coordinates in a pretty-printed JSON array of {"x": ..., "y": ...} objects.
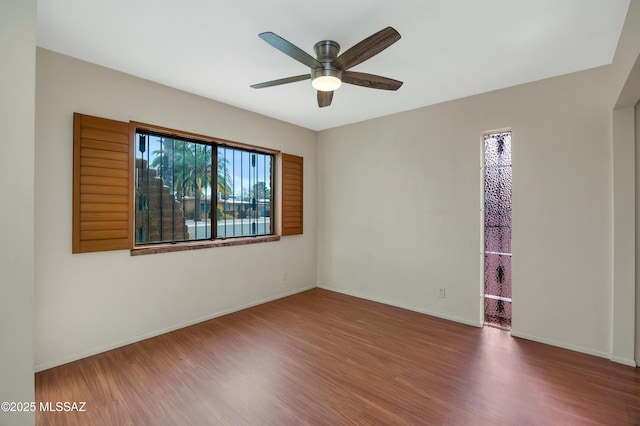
[{"x": 449, "y": 48}]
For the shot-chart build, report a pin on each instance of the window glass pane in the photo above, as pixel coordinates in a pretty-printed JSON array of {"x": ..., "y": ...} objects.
[
  {"x": 497, "y": 149},
  {"x": 497, "y": 275},
  {"x": 497, "y": 239},
  {"x": 244, "y": 193},
  {"x": 497, "y": 197},
  {"x": 497, "y": 312},
  {"x": 173, "y": 189}
]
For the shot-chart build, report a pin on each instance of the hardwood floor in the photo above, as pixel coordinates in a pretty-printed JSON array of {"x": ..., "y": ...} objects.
[{"x": 321, "y": 357}]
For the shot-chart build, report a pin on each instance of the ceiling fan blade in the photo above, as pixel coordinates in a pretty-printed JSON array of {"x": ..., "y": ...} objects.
[
  {"x": 281, "y": 81},
  {"x": 370, "y": 80},
  {"x": 367, "y": 48},
  {"x": 290, "y": 49},
  {"x": 324, "y": 98}
]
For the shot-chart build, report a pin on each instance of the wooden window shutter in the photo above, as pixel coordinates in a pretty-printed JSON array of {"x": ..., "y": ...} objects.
[
  {"x": 101, "y": 185},
  {"x": 292, "y": 184}
]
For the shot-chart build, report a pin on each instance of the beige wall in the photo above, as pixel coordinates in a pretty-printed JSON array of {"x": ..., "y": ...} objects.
[
  {"x": 17, "y": 104},
  {"x": 87, "y": 303},
  {"x": 430, "y": 159}
]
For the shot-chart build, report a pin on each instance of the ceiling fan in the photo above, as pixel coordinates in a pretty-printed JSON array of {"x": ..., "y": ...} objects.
[{"x": 329, "y": 70}]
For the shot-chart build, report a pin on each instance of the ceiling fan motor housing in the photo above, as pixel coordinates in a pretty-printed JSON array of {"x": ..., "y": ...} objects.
[{"x": 326, "y": 52}]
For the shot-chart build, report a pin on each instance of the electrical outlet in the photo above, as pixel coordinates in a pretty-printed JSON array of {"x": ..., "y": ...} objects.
[
  {"x": 441, "y": 293},
  {"x": 284, "y": 276}
]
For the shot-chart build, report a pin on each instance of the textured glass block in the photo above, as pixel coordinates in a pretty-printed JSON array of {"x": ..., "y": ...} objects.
[
  {"x": 497, "y": 218},
  {"x": 497, "y": 197},
  {"x": 497, "y": 239},
  {"x": 497, "y": 186},
  {"x": 497, "y": 275},
  {"x": 497, "y": 149},
  {"x": 497, "y": 312}
]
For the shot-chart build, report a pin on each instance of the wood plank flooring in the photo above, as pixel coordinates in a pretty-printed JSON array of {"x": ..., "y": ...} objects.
[{"x": 323, "y": 358}]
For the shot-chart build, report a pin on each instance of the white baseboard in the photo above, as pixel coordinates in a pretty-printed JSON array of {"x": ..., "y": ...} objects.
[
  {"x": 407, "y": 307},
  {"x": 624, "y": 361},
  {"x": 563, "y": 345},
  {"x": 95, "y": 351}
]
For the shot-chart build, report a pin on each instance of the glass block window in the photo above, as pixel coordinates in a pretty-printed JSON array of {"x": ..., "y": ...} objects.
[{"x": 497, "y": 229}]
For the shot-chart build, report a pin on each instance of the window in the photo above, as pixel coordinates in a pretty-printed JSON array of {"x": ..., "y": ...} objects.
[
  {"x": 181, "y": 196},
  {"x": 497, "y": 229},
  {"x": 150, "y": 189}
]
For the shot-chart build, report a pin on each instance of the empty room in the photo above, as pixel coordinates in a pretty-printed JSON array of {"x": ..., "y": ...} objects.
[{"x": 421, "y": 212}]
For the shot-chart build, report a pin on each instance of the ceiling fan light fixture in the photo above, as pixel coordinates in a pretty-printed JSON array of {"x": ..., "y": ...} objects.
[
  {"x": 326, "y": 79},
  {"x": 326, "y": 83}
]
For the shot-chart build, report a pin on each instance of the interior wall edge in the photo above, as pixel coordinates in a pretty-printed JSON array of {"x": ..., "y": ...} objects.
[{"x": 623, "y": 234}]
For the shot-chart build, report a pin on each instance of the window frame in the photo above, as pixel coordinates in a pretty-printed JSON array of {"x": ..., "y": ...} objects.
[{"x": 164, "y": 247}]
